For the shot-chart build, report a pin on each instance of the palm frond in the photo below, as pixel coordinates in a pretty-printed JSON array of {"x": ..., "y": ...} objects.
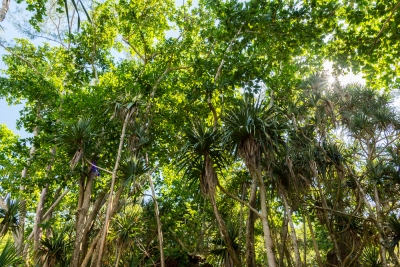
[
  {"x": 9, "y": 255},
  {"x": 10, "y": 216},
  {"x": 132, "y": 169},
  {"x": 201, "y": 155},
  {"x": 370, "y": 257}
]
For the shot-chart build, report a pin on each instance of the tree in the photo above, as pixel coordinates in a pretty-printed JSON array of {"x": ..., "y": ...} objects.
[{"x": 199, "y": 156}]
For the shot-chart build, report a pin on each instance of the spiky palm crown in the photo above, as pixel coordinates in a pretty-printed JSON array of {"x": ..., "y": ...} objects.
[
  {"x": 370, "y": 257},
  {"x": 10, "y": 216},
  {"x": 133, "y": 168},
  {"x": 251, "y": 129},
  {"x": 394, "y": 239},
  {"x": 9, "y": 255},
  {"x": 221, "y": 252},
  {"x": 201, "y": 155},
  {"x": 363, "y": 108},
  {"x": 54, "y": 250},
  {"x": 78, "y": 136}
]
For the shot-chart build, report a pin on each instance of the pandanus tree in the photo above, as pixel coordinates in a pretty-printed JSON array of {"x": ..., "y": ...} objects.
[
  {"x": 9, "y": 216},
  {"x": 252, "y": 131},
  {"x": 54, "y": 251},
  {"x": 9, "y": 255},
  {"x": 200, "y": 157},
  {"x": 78, "y": 138}
]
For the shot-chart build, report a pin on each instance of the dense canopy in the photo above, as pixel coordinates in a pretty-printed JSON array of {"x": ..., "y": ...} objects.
[{"x": 202, "y": 134}]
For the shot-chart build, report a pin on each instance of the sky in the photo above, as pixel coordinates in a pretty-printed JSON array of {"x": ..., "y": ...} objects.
[{"x": 10, "y": 114}]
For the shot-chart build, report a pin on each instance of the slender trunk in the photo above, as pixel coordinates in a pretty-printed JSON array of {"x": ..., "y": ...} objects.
[
  {"x": 159, "y": 229},
  {"x": 224, "y": 233},
  {"x": 244, "y": 191},
  {"x": 377, "y": 223},
  {"x": 19, "y": 235},
  {"x": 269, "y": 244},
  {"x": 81, "y": 214},
  {"x": 283, "y": 238},
  {"x": 38, "y": 218},
  {"x": 332, "y": 235},
  {"x": 380, "y": 215},
  {"x": 305, "y": 240},
  {"x": 4, "y": 8},
  {"x": 93, "y": 252},
  {"x": 50, "y": 214},
  {"x": 250, "y": 241},
  {"x": 88, "y": 224},
  {"x": 315, "y": 244},
  {"x": 118, "y": 256},
  {"x": 110, "y": 199},
  {"x": 292, "y": 232}
]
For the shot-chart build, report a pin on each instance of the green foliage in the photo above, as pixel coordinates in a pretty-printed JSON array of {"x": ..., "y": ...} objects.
[
  {"x": 250, "y": 69},
  {"x": 9, "y": 216},
  {"x": 9, "y": 256}
]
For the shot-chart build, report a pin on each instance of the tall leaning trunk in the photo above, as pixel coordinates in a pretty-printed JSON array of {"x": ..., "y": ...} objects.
[
  {"x": 269, "y": 243},
  {"x": 38, "y": 218},
  {"x": 85, "y": 185},
  {"x": 159, "y": 229},
  {"x": 110, "y": 199},
  {"x": 380, "y": 217},
  {"x": 19, "y": 235},
  {"x": 284, "y": 232},
  {"x": 315, "y": 244},
  {"x": 292, "y": 232},
  {"x": 37, "y": 231},
  {"x": 250, "y": 240},
  {"x": 224, "y": 233},
  {"x": 4, "y": 9}
]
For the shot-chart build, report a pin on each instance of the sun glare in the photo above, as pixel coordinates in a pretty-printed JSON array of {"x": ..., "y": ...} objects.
[{"x": 344, "y": 79}]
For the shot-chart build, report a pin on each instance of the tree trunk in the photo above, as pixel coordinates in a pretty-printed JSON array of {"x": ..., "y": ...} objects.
[
  {"x": 88, "y": 224},
  {"x": 315, "y": 244},
  {"x": 19, "y": 236},
  {"x": 269, "y": 244},
  {"x": 250, "y": 241},
  {"x": 224, "y": 233},
  {"x": 159, "y": 229},
  {"x": 93, "y": 252},
  {"x": 380, "y": 215},
  {"x": 376, "y": 222},
  {"x": 81, "y": 216},
  {"x": 118, "y": 256},
  {"x": 4, "y": 9},
  {"x": 38, "y": 218},
  {"x": 110, "y": 199},
  {"x": 283, "y": 238},
  {"x": 325, "y": 206},
  {"x": 305, "y": 240},
  {"x": 292, "y": 232}
]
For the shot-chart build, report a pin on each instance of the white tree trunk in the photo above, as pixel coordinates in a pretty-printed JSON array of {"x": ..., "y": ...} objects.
[{"x": 4, "y": 9}]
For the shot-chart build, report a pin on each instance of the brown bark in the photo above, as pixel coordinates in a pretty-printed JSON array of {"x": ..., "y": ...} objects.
[
  {"x": 224, "y": 233},
  {"x": 379, "y": 216},
  {"x": 92, "y": 252},
  {"x": 315, "y": 244},
  {"x": 19, "y": 235},
  {"x": 269, "y": 244},
  {"x": 283, "y": 238},
  {"x": 250, "y": 240},
  {"x": 89, "y": 222},
  {"x": 114, "y": 177},
  {"x": 159, "y": 229},
  {"x": 81, "y": 213},
  {"x": 292, "y": 232},
  {"x": 38, "y": 218},
  {"x": 4, "y": 9}
]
